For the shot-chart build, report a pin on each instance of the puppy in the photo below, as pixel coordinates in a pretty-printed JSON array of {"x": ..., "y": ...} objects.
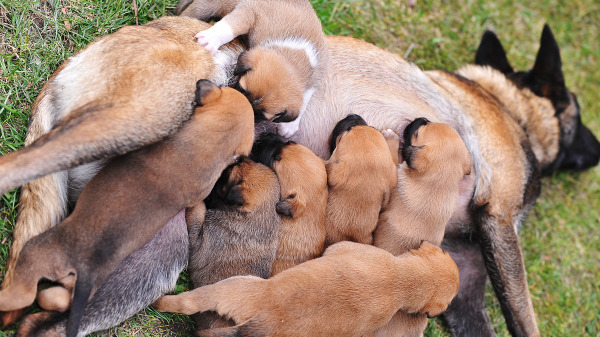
[
  {"x": 303, "y": 181},
  {"x": 140, "y": 279},
  {"x": 361, "y": 174},
  {"x": 99, "y": 104},
  {"x": 287, "y": 56},
  {"x": 435, "y": 162},
  {"x": 139, "y": 192},
  {"x": 239, "y": 233},
  {"x": 351, "y": 290}
]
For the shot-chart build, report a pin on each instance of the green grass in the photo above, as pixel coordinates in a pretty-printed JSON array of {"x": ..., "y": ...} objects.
[{"x": 559, "y": 239}]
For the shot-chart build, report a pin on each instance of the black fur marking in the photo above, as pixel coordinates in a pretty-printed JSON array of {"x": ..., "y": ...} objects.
[
  {"x": 581, "y": 154},
  {"x": 241, "y": 67},
  {"x": 491, "y": 53},
  {"x": 225, "y": 192},
  {"x": 408, "y": 150},
  {"x": 532, "y": 186},
  {"x": 267, "y": 149},
  {"x": 203, "y": 87},
  {"x": 81, "y": 293},
  {"x": 285, "y": 208},
  {"x": 283, "y": 117},
  {"x": 342, "y": 126}
]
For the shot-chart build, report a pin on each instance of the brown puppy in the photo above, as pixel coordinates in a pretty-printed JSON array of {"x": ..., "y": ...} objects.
[
  {"x": 361, "y": 174},
  {"x": 139, "y": 192},
  {"x": 303, "y": 181},
  {"x": 351, "y": 290},
  {"x": 239, "y": 233},
  {"x": 287, "y": 55},
  {"x": 435, "y": 162},
  {"x": 123, "y": 91}
]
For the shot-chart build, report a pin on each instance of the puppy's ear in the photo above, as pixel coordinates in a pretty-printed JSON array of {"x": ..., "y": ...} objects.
[
  {"x": 235, "y": 195},
  {"x": 206, "y": 92},
  {"x": 285, "y": 208},
  {"x": 491, "y": 53},
  {"x": 336, "y": 172},
  {"x": 242, "y": 65}
]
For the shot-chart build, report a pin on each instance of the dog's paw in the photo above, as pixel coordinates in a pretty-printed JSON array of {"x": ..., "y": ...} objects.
[
  {"x": 390, "y": 135},
  {"x": 8, "y": 318},
  {"x": 287, "y": 130},
  {"x": 214, "y": 37}
]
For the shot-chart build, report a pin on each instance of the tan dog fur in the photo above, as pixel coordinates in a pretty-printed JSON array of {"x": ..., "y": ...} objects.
[
  {"x": 349, "y": 291},
  {"x": 238, "y": 235},
  {"x": 287, "y": 51},
  {"x": 513, "y": 130},
  {"x": 361, "y": 174},
  {"x": 125, "y": 90},
  {"x": 139, "y": 192},
  {"x": 303, "y": 180},
  {"x": 435, "y": 162}
]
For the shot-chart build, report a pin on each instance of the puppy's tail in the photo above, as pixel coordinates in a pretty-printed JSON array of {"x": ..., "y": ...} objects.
[
  {"x": 81, "y": 294},
  {"x": 95, "y": 131}
]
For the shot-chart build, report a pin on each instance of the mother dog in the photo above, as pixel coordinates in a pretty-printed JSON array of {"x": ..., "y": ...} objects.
[{"x": 517, "y": 124}]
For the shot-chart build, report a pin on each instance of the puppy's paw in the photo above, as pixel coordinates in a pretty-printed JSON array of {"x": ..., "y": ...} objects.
[
  {"x": 215, "y": 37},
  {"x": 390, "y": 135},
  {"x": 287, "y": 130}
]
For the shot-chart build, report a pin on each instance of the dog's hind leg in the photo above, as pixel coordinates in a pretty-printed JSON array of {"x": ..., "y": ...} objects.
[
  {"x": 43, "y": 202},
  {"x": 467, "y": 315},
  {"x": 506, "y": 269}
]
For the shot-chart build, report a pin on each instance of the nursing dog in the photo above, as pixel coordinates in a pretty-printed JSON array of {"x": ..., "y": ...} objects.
[
  {"x": 138, "y": 192},
  {"x": 435, "y": 161},
  {"x": 239, "y": 232},
  {"x": 351, "y": 290},
  {"x": 140, "y": 279},
  {"x": 303, "y": 180},
  {"x": 123, "y": 91},
  {"x": 517, "y": 126},
  {"x": 361, "y": 174},
  {"x": 287, "y": 51}
]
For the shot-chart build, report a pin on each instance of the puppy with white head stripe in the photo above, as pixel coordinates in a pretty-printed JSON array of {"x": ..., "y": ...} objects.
[{"x": 287, "y": 55}]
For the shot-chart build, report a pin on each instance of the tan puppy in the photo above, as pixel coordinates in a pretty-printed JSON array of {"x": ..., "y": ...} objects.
[
  {"x": 125, "y": 90},
  {"x": 239, "y": 232},
  {"x": 138, "y": 193},
  {"x": 303, "y": 181},
  {"x": 287, "y": 55},
  {"x": 435, "y": 162},
  {"x": 361, "y": 174},
  {"x": 351, "y": 290}
]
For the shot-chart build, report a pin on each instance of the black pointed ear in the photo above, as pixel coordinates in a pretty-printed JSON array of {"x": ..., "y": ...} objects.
[
  {"x": 548, "y": 65},
  {"x": 491, "y": 53}
]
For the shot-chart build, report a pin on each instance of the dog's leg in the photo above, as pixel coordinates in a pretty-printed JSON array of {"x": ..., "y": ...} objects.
[
  {"x": 467, "y": 315},
  {"x": 504, "y": 263},
  {"x": 233, "y": 297},
  {"x": 43, "y": 202}
]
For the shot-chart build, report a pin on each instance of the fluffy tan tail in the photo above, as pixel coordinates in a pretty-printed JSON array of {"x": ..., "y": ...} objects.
[{"x": 95, "y": 131}]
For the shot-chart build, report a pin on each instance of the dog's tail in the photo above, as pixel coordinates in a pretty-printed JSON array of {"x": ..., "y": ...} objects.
[
  {"x": 81, "y": 294},
  {"x": 94, "y": 131},
  {"x": 251, "y": 328}
]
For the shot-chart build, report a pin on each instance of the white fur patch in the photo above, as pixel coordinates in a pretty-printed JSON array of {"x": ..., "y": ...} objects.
[
  {"x": 296, "y": 43},
  {"x": 289, "y": 129},
  {"x": 216, "y": 36},
  {"x": 225, "y": 60}
]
